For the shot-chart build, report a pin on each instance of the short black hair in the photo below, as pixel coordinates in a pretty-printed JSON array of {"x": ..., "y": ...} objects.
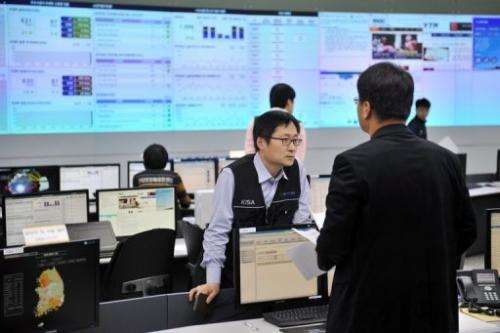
[
  {"x": 155, "y": 157},
  {"x": 423, "y": 103},
  {"x": 280, "y": 93},
  {"x": 389, "y": 90},
  {"x": 265, "y": 124}
]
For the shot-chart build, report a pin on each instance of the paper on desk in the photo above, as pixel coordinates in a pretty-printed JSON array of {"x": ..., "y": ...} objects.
[
  {"x": 319, "y": 218},
  {"x": 310, "y": 234},
  {"x": 469, "y": 324},
  {"x": 448, "y": 143},
  {"x": 304, "y": 255}
]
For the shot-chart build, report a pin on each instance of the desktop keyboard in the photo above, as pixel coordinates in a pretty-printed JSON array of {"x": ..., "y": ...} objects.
[
  {"x": 298, "y": 316},
  {"x": 105, "y": 254}
]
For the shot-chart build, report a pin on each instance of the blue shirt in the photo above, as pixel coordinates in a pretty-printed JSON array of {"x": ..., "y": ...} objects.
[{"x": 217, "y": 233}]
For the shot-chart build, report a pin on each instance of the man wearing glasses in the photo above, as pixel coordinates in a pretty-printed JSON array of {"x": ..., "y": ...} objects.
[
  {"x": 281, "y": 98},
  {"x": 398, "y": 218},
  {"x": 266, "y": 188}
]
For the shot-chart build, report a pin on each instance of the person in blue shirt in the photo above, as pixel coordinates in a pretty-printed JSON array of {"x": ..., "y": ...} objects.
[{"x": 266, "y": 188}]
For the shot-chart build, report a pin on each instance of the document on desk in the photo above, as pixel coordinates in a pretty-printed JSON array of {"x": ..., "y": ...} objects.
[
  {"x": 304, "y": 255},
  {"x": 448, "y": 143},
  {"x": 469, "y": 324},
  {"x": 310, "y": 234}
]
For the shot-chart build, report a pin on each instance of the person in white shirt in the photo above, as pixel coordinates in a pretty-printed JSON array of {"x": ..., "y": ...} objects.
[{"x": 282, "y": 98}]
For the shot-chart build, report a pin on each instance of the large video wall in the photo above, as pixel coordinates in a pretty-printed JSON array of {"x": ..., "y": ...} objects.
[{"x": 77, "y": 68}]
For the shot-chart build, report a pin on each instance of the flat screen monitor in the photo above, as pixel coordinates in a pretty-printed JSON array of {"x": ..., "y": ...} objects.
[
  {"x": 135, "y": 210},
  {"x": 492, "y": 255},
  {"x": 224, "y": 162},
  {"x": 49, "y": 288},
  {"x": 134, "y": 167},
  {"x": 319, "y": 191},
  {"x": 196, "y": 174},
  {"x": 91, "y": 177},
  {"x": 20, "y": 211},
  {"x": 87, "y": 68},
  {"x": 463, "y": 163},
  {"x": 29, "y": 179},
  {"x": 261, "y": 265}
]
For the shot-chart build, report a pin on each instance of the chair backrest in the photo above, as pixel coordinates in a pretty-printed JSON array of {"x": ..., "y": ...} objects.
[
  {"x": 146, "y": 254},
  {"x": 193, "y": 236}
]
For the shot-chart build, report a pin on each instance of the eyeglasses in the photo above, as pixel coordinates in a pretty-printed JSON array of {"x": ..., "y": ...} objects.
[
  {"x": 286, "y": 141},
  {"x": 355, "y": 100}
]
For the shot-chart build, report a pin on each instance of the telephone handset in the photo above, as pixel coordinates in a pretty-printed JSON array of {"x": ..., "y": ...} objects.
[{"x": 480, "y": 287}]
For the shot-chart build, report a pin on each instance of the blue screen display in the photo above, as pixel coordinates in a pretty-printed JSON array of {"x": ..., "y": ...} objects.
[
  {"x": 487, "y": 43},
  {"x": 86, "y": 68}
]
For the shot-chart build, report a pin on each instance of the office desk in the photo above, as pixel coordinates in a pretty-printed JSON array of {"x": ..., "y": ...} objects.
[
  {"x": 467, "y": 325},
  {"x": 482, "y": 198},
  {"x": 485, "y": 190},
  {"x": 180, "y": 251},
  {"x": 173, "y": 312}
]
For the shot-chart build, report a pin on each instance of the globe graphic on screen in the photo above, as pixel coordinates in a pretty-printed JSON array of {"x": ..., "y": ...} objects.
[{"x": 27, "y": 181}]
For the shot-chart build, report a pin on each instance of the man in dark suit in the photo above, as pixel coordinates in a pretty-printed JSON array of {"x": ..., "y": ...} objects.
[{"x": 398, "y": 218}]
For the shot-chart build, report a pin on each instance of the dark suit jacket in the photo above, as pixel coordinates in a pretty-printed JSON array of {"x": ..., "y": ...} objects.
[
  {"x": 417, "y": 126},
  {"x": 398, "y": 218}
]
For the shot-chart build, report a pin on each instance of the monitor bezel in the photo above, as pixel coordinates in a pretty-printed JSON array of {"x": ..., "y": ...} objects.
[
  {"x": 55, "y": 166},
  {"x": 90, "y": 242},
  {"x": 91, "y": 165},
  {"x": 136, "y": 189},
  {"x": 129, "y": 185},
  {"x": 320, "y": 176},
  {"x": 321, "y": 298},
  {"x": 3, "y": 239},
  {"x": 462, "y": 157},
  {"x": 214, "y": 160},
  {"x": 226, "y": 158},
  {"x": 487, "y": 253}
]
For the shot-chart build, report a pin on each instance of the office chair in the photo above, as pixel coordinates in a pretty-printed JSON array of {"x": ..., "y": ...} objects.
[
  {"x": 193, "y": 236},
  {"x": 141, "y": 265}
]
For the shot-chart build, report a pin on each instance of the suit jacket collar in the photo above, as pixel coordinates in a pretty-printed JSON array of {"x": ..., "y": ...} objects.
[{"x": 391, "y": 130}]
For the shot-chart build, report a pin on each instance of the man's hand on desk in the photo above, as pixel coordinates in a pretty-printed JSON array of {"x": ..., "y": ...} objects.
[{"x": 209, "y": 289}]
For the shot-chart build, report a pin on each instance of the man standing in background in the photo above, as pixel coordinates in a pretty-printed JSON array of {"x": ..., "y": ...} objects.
[
  {"x": 417, "y": 124},
  {"x": 281, "y": 98}
]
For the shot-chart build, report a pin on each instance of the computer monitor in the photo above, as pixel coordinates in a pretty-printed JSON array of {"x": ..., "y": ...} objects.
[
  {"x": 135, "y": 210},
  {"x": 261, "y": 265},
  {"x": 497, "y": 176},
  {"x": 196, "y": 173},
  {"x": 319, "y": 191},
  {"x": 92, "y": 177},
  {"x": 134, "y": 167},
  {"x": 50, "y": 288},
  {"x": 224, "y": 162},
  {"x": 463, "y": 163},
  {"x": 492, "y": 255},
  {"x": 23, "y": 210},
  {"x": 28, "y": 179}
]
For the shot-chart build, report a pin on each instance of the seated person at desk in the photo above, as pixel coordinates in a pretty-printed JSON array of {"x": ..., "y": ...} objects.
[
  {"x": 266, "y": 188},
  {"x": 155, "y": 158}
]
